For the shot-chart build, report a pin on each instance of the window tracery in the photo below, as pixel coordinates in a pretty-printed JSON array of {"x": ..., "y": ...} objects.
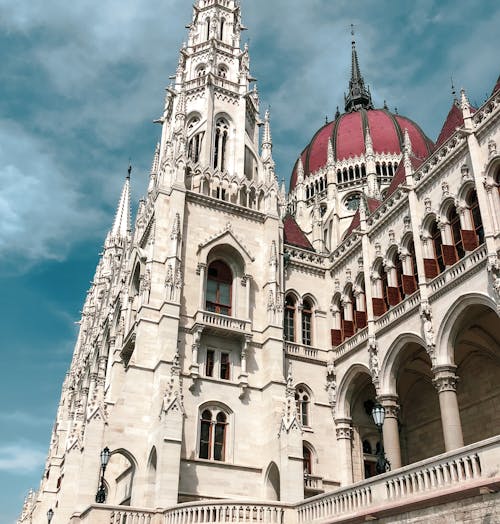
[
  {"x": 213, "y": 434},
  {"x": 219, "y": 288}
]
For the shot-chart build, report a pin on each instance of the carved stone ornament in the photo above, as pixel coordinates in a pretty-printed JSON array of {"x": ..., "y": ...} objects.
[
  {"x": 465, "y": 172},
  {"x": 407, "y": 223},
  {"x": 392, "y": 236},
  {"x": 445, "y": 379},
  {"x": 373, "y": 361},
  {"x": 428, "y": 329},
  {"x": 445, "y": 188},
  {"x": 492, "y": 148},
  {"x": 428, "y": 205},
  {"x": 331, "y": 385},
  {"x": 378, "y": 251}
]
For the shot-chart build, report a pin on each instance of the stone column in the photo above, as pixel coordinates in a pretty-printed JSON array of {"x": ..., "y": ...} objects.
[
  {"x": 202, "y": 268},
  {"x": 445, "y": 381},
  {"x": 344, "y": 440},
  {"x": 391, "y": 430}
]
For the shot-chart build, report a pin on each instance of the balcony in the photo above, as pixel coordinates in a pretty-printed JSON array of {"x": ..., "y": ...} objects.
[
  {"x": 221, "y": 324},
  {"x": 313, "y": 485},
  {"x": 308, "y": 353},
  {"x": 453, "y": 476}
]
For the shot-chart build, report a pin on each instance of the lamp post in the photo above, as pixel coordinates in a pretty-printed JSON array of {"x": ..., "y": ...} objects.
[
  {"x": 100, "y": 496},
  {"x": 50, "y": 514},
  {"x": 378, "y": 414}
]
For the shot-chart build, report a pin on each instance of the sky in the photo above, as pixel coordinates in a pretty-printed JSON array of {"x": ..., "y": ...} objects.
[{"x": 80, "y": 85}]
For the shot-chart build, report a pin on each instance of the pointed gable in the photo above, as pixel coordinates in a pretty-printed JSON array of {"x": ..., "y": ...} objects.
[
  {"x": 400, "y": 174},
  {"x": 294, "y": 236},
  {"x": 372, "y": 204},
  {"x": 453, "y": 120}
]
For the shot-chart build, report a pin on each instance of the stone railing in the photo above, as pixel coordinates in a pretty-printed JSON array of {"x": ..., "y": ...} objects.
[
  {"x": 399, "y": 311},
  {"x": 308, "y": 352},
  {"x": 453, "y": 274},
  {"x": 194, "y": 513},
  {"x": 351, "y": 343},
  {"x": 451, "y": 471},
  {"x": 313, "y": 483},
  {"x": 450, "y": 476},
  {"x": 222, "y": 322}
]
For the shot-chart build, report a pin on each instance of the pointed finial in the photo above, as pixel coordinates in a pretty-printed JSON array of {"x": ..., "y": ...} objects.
[
  {"x": 129, "y": 170},
  {"x": 267, "y": 138},
  {"x": 368, "y": 142},
  {"x": 331, "y": 156},
  {"x": 156, "y": 159},
  {"x": 121, "y": 224},
  {"x": 453, "y": 90},
  {"x": 465, "y": 107},
  {"x": 396, "y": 110},
  {"x": 386, "y": 107},
  {"x": 326, "y": 119},
  {"x": 359, "y": 96},
  {"x": 407, "y": 142},
  {"x": 300, "y": 171},
  {"x": 337, "y": 113}
]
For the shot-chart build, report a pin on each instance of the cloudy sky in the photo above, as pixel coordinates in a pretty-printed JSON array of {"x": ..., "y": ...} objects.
[{"x": 80, "y": 84}]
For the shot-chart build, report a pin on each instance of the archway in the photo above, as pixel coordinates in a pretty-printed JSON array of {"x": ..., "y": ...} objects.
[
  {"x": 120, "y": 474},
  {"x": 421, "y": 433},
  {"x": 476, "y": 347},
  {"x": 272, "y": 482}
]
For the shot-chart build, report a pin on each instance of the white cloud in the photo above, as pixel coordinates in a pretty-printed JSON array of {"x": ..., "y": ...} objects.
[
  {"x": 20, "y": 458},
  {"x": 40, "y": 203}
]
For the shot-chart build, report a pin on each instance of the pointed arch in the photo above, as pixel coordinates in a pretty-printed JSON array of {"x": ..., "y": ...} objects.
[{"x": 347, "y": 388}]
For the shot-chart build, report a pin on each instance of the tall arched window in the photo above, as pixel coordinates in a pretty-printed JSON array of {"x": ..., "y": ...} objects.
[
  {"x": 471, "y": 241},
  {"x": 219, "y": 288},
  {"x": 409, "y": 277},
  {"x": 220, "y": 144},
  {"x": 208, "y": 28},
  {"x": 307, "y": 323},
  {"x": 213, "y": 434},
  {"x": 302, "y": 401},
  {"x": 437, "y": 243},
  {"x": 221, "y": 32},
  {"x": 290, "y": 308},
  {"x": 348, "y": 320},
  {"x": 307, "y": 454},
  {"x": 456, "y": 228}
]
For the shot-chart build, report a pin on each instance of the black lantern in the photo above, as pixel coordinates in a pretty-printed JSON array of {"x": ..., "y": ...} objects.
[
  {"x": 378, "y": 414},
  {"x": 100, "y": 496},
  {"x": 50, "y": 514}
]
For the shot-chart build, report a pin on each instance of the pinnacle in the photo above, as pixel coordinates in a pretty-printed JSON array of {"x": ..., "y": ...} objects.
[{"x": 121, "y": 224}]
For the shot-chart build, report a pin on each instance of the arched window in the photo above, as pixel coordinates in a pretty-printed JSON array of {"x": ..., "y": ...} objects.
[
  {"x": 379, "y": 300},
  {"x": 307, "y": 454},
  {"x": 219, "y": 288},
  {"x": 359, "y": 305},
  {"x": 290, "y": 308},
  {"x": 213, "y": 434},
  {"x": 222, "y": 71},
  {"x": 208, "y": 28},
  {"x": 437, "y": 243},
  {"x": 395, "y": 287},
  {"x": 456, "y": 228},
  {"x": 221, "y": 32},
  {"x": 471, "y": 242},
  {"x": 348, "y": 323},
  {"x": 302, "y": 401},
  {"x": 220, "y": 144},
  {"x": 307, "y": 323},
  {"x": 409, "y": 277},
  {"x": 201, "y": 71}
]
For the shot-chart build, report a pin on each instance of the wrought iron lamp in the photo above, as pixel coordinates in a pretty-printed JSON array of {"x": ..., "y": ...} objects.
[
  {"x": 50, "y": 514},
  {"x": 378, "y": 414},
  {"x": 100, "y": 496}
]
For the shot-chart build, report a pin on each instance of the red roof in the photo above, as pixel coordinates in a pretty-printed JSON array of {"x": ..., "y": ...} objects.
[
  {"x": 347, "y": 134},
  {"x": 294, "y": 236},
  {"x": 400, "y": 174},
  {"x": 453, "y": 120},
  {"x": 373, "y": 204}
]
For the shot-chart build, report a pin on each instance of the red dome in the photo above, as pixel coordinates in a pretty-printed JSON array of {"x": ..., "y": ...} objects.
[{"x": 347, "y": 134}]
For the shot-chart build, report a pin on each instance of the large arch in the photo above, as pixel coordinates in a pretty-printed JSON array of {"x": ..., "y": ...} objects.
[
  {"x": 120, "y": 474},
  {"x": 448, "y": 329},
  {"x": 391, "y": 361},
  {"x": 346, "y": 388}
]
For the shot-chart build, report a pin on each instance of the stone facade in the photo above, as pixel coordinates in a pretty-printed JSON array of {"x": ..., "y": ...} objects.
[{"x": 235, "y": 339}]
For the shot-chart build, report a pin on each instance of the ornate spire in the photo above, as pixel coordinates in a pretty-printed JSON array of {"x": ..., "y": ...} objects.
[
  {"x": 267, "y": 138},
  {"x": 300, "y": 171},
  {"x": 359, "y": 96},
  {"x": 121, "y": 225}
]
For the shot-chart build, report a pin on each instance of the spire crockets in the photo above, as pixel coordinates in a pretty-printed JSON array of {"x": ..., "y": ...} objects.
[
  {"x": 359, "y": 96},
  {"x": 121, "y": 225}
]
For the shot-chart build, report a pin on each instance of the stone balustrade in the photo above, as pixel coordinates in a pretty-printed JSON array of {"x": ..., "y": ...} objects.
[
  {"x": 471, "y": 262},
  {"x": 194, "y": 513},
  {"x": 222, "y": 322},
  {"x": 307, "y": 352},
  {"x": 452, "y": 474}
]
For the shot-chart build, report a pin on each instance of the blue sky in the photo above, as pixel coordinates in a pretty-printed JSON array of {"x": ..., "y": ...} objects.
[{"x": 80, "y": 84}]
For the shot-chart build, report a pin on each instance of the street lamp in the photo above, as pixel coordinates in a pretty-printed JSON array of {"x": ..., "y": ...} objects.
[
  {"x": 378, "y": 414},
  {"x": 50, "y": 514},
  {"x": 100, "y": 496}
]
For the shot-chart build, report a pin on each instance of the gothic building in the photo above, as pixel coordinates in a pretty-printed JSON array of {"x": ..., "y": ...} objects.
[{"x": 236, "y": 338}]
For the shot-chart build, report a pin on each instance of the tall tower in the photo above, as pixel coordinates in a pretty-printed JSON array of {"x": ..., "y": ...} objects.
[{"x": 180, "y": 353}]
